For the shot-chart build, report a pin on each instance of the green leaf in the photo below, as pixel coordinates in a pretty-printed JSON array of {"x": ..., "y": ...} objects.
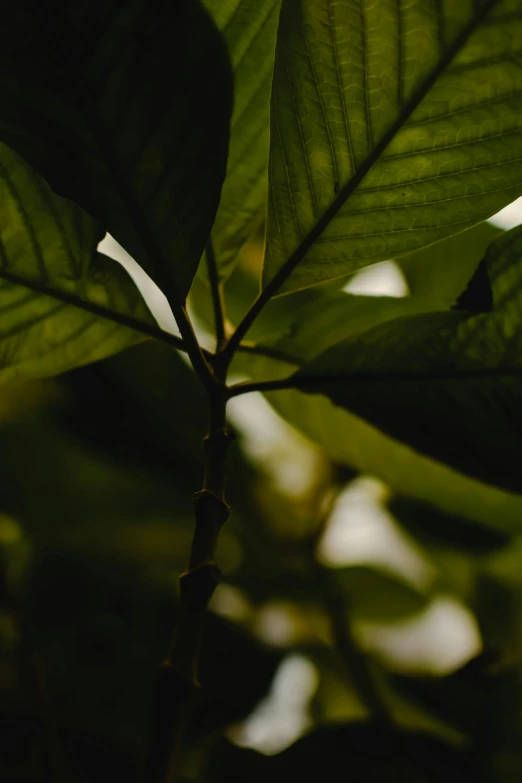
[
  {"x": 438, "y": 274},
  {"x": 485, "y": 699},
  {"x": 124, "y": 107},
  {"x": 377, "y": 595},
  {"x": 447, "y": 384},
  {"x": 372, "y": 594},
  {"x": 349, "y": 440},
  {"x": 250, "y": 30},
  {"x": 333, "y": 317},
  {"x": 54, "y": 284},
  {"x": 316, "y": 318},
  {"x": 393, "y": 126}
]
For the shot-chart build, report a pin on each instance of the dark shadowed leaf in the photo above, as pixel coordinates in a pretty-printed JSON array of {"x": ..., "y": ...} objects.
[
  {"x": 124, "y": 107},
  {"x": 432, "y": 526},
  {"x": 360, "y": 752}
]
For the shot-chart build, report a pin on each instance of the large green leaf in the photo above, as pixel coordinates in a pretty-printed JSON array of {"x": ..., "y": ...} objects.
[
  {"x": 250, "y": 30},
  {"x": 448, "y": 384},
  {"x": 125, "y": 108},
  {"x": 52, "y": 281},
  {"x": 394, "y": 125}
]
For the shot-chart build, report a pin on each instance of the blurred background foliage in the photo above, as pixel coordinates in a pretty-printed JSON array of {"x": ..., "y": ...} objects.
[{"x": 361, "y": 616}]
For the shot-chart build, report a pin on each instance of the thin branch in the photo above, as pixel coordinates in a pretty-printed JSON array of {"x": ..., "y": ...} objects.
[
  {"x": 216, "y": 289},
  {"x": 193, "y": 348},
  {"x": 276, "y": 283},
  {"x": 262, "y": 386},
  {"x": 311, "y": 382}
]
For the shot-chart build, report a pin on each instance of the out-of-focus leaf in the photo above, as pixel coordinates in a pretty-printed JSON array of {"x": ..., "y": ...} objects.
[
  {"x": 48, "y": 244},
  {"x": 360, "y": 750},
  {"x": 123, "y": 406},
  {"x": 446, "y": 384},
  {"x": 433, "y": 526},
  {"x": 460, "y": 699},
  {"x": 485, "y": 701},
  {"x": 376, "y": 595},
  {"x": 391, "y": 128},
  {"x": 250, "y": 30},
  {"x": 101, "y": 625},
  {"x": 236, "y": 672},
  {"x": 125, "y": 108},
  {"x": 371, "y": 594}
]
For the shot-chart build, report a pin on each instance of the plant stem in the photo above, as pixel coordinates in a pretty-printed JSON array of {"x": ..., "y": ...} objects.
[
  {"x": 216, "y": 289},
  {"x": 178, "y": 677},
  {"x": 263, "y": 386},
  {"x": 199, "y": 363}
]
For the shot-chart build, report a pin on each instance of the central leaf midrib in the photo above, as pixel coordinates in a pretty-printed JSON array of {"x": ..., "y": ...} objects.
[
  {"x": 73, "y": 300},
  {"x": 347, "y": 190}
]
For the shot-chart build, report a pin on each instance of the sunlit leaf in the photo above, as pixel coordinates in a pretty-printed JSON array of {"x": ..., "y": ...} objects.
[
  {"x": 447, "y": 384},
  {"x": 48, "y": 244},
  {"x": 124, "y": 108},
  {"x": 393, "y": 126}
]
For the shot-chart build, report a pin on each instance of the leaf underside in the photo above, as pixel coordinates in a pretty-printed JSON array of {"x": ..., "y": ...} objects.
[
  {"x": 448, "y": 384},
  {"x": 250, "y": 30},
  {"x": 394, "y": 124},
  {"x": 49, "y": 243}
]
